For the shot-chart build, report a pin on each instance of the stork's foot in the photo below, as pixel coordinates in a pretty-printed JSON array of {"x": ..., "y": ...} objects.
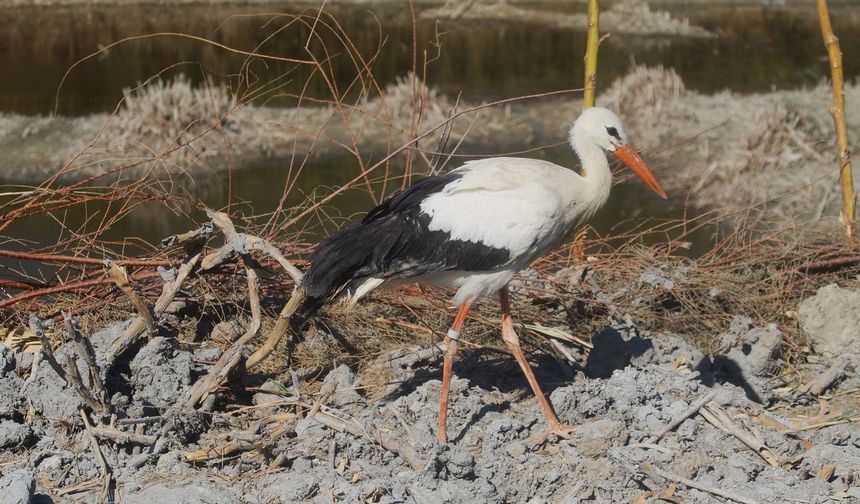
[{"x": 558, "y": 430}]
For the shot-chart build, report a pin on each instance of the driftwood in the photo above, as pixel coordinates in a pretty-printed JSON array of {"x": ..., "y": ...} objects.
[{"x": 242, "y": 244}]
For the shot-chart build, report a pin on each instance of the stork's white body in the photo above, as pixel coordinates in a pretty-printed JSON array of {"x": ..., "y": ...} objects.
[{"x": 526, "y": 206}]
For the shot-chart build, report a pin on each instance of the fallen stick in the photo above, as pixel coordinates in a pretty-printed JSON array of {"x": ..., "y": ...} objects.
[
  {"x": 282, "y": 325},
  {"x": 220, "y": 452},
  {"x": 107, "y": 473},
  {"x": 231, "y": 358},
  {"x": 75, "y": 380},
  {"x": 434, "y": 351},
  {"x": 87, "y": 352},
  {"x": 717, "y": 417},
  {"x": 134, "y": 331},
  {"x": 120, "y": 277},
  {"x": 655, "y": 447},
  {"x": 647, "y": 467},
  {"x": 824, "y": 380},
  {"x": 243, "y": 442},
  {"x": 237, "y": 242},
  {"x": 122, "y": 437},
  {"x": 143, "y": 420},
  {"x": 242, "y": 244},
  {"x": 86, "y": 486},
  {"x": 678, "y": 420},
  {"x": 404, "y": 451},
  {"x": 38, "y": 329}
]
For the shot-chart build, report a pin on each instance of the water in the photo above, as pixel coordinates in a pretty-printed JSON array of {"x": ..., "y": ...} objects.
[
  {"x": 257, "y": 190},
  {"x": 759, "y": 49}
]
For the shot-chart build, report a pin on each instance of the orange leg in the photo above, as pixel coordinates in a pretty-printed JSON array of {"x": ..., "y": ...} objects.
[
  {"x": 513, "y": 341},
  {"x": 450, "y": 349}
]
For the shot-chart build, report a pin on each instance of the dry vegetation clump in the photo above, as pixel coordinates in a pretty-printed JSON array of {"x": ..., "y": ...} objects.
[
  {"x": 769, "y": 154},
  {"x": 657, "y": 96},
  {"x": 636, "y": 17},
  {"x": 167, "y": 113},
  {"x": 627, "y": 17}
]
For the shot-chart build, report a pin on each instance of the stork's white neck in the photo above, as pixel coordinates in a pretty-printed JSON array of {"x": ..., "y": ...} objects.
[{"x": 596, "y": 174}]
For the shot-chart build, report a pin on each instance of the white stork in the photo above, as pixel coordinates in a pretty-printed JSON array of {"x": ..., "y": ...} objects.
[{"x": 473, "y": 229}]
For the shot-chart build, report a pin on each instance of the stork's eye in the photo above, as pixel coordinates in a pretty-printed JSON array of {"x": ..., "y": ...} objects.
[{"x": 613, "y": 132}]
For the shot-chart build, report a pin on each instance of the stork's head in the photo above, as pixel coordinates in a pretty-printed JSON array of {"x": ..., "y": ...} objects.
[{"x": 602, "y": 128}]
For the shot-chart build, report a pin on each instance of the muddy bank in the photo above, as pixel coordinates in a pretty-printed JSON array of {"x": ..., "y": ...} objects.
[
  {"x": 772, "y": 153},
  {"x": 371, "y": 433}
]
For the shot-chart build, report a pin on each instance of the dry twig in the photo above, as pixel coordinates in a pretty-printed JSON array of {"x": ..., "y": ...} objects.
[
  {"x": 74, "y": 378},
  {"x": 403, "y": 450},
  {"x": 135, "y": 330},
  {"x": 649, "y": 468},
  {"x": 678, "y": 420},
  {"x": 716, "y": 416},
  {"x": 107, "y": 473},
  {"x": 38, "y": 329},
  {"x": 87, "y": 352},
  {"x": 231, "y": 358},
  {"x": 122, "y": 437},
  {"x": 120, "y": 277}
]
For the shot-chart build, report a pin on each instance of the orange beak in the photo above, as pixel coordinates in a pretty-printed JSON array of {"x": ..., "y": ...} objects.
[{"x": 634, "y": 161}]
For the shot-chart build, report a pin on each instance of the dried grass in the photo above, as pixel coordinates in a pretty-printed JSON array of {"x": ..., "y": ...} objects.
[
  {"x": 163, "y": 113},
  {"x": 627, "y": 17},
  {"x": 767, "y": 154}
]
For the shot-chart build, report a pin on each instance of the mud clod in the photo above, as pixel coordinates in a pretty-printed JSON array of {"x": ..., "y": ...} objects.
[
  {"x": 830, "y": 319},
  {"x": 161, "y": 373},
  {"x": 18, "y": 486}
]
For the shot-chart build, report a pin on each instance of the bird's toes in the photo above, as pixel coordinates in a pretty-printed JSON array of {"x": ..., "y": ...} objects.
[{"x": 559, "y": 430}]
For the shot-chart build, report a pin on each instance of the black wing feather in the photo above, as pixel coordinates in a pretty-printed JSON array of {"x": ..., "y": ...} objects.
[{"x": 394, "y": 241}]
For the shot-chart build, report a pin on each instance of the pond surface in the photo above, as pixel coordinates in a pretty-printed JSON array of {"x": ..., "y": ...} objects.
[
  {"x": 631, "y": 206},
  {"x": 758, "y": 48}
]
